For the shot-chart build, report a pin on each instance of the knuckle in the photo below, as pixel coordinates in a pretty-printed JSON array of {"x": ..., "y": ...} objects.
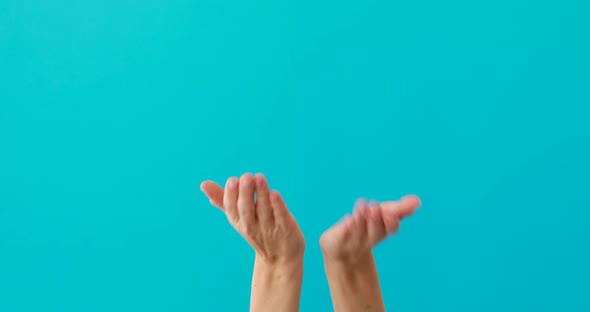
[
  {"x": 233, "y": 217},
  {"x": 245, "y": 207},
  {"x": 248, "y": 229}
]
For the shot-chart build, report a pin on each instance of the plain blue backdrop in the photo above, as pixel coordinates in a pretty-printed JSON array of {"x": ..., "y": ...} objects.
[{"x": 112, "y": 113}]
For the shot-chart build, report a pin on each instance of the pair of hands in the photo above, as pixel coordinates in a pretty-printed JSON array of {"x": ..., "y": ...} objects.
[{"x": 263, "y": 219}]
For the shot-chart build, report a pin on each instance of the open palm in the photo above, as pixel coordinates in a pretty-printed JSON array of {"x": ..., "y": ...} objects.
[
  {"x": 355, "y": 235},
  {"x": 259, "y": 215}
]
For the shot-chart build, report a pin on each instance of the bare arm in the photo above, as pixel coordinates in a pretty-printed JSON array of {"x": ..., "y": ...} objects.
[
  {"x": 348, "y": 258},
  {"x": 354, "y": 288},
  {"x": 276, "y": 286},
  {"x": 262, "y": 218}
]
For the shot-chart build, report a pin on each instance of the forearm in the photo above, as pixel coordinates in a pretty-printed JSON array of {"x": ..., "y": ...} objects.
[
  {"x": 354, "y": 288},
  {"x": 276, "y": 286}
]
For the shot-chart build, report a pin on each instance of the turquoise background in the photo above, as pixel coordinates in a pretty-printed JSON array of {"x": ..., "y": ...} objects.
[{"x": 113, "y": 112}]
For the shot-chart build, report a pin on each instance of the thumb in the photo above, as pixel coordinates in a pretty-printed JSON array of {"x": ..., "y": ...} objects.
[
  {"x": 214, "y": 193},
  {"x": 403, "y": 208}
]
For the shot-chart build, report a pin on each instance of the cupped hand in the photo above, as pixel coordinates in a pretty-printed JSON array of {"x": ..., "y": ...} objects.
[
  {"x": 352, "y": 239},
  {"x": 259, "y": 215}
]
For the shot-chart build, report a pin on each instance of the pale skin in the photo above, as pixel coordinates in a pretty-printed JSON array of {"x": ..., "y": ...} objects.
[
  {"x": 271, "y": 230},
  {"x": 268, "y": 226},
  {"x": 348, "y": 258}
]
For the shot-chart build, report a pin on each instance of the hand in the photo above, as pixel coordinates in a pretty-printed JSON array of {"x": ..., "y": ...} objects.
[
  {"x": 265, "y": 222},
  {"x": 348, "y": 260},
  {"x": 352, "y": 239}
]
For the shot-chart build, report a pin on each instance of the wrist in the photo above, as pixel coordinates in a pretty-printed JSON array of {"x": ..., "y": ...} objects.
[
  {"x": 267, "y": 276},
  {"x": 356, "y": 282},
  {"x": 288, "y": 267},
  {"x": 279, "y": 262},
  {"x": 276, "y": 285},
  {"x": 350, "y": 262},
  {"x": 358, "y": 270},
  {"x": 278, "y": 265}
]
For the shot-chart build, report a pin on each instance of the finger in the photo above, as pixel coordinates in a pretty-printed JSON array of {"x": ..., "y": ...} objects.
[
  {"x": 360, "y": 215},
  {"x": 344, "y": 219},
  {"x": 363, "y": 209},
  {"x": 358, "y": 229},
  {"x": 403, "y": 208},
  {"x": 348, "y": 225},
  {"x": 376, "y": 225},
  {"x": 344, "y": 227},
  {"x": 279, "y": 208},
  {"x": 263, "y": 207},
  {"x": 214, "y": 193},
  {"x": 230, "y": 199},
  {"x": 339, "y": 231},
  {"x": 246, "y": 208},
  {"x": 360, "y": 206},
  {"x": 391, "y": 222}
]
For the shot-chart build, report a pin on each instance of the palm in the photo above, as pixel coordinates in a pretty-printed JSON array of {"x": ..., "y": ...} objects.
[
  {"x": 355, "y": 235},
  {"x": 258, "y": 214}
]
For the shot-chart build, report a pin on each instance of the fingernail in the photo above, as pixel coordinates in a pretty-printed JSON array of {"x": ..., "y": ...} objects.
[
  {"x": 273, "y": 197},
  {"x": 246, "y": 180}
]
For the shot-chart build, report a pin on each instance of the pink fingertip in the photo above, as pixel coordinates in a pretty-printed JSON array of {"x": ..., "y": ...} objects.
[
  {"x": 232, "y": 182},
  {"x": 412, "y": 200}
]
